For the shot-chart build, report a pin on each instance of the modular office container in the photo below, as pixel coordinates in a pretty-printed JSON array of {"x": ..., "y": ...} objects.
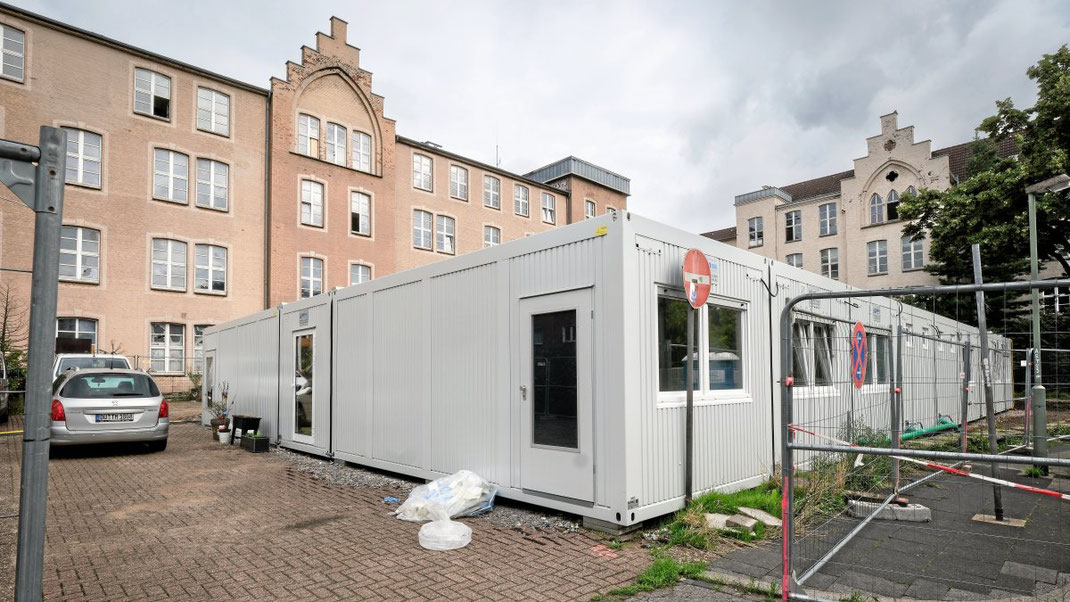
[{"x": 552, "y": 365}]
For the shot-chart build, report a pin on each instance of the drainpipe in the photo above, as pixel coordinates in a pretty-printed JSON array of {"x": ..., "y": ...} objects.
[{"x": 267, "y": 203}]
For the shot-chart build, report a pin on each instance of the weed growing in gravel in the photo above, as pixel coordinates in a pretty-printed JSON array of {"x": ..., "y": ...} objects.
[{"x": 665, "y": 571}]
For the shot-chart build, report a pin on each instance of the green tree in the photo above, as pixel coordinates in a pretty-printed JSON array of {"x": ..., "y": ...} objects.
[{"x": 989, "y": 205}]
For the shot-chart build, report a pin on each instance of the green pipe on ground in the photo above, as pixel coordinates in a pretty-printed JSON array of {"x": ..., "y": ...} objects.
[{"x": 944, "y": 424}]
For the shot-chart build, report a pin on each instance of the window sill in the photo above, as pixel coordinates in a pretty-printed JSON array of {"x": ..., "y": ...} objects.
[
  {"x": 166, "y": 289},
  {"x": 879, "y": 224},
  {"x": 492, "y": 207},
  {"x": 788, "y": 242},
  {"x": 678, "y": 399},
  {"x": 523, "y": 215},
  {"x": 755, "y": 245},
  {"x": 79, "y": 281},
  {"x": 878, "y": 274},
  {"x": 153, "y": 117},
  {"x": 458, "y": 198},
  {"x": 225, "y": 136},
  {"x": 216, "y": 209},
  {"x": 360, "y": 234},
  {"x": 815, "y": 391},
  {"x": 826, "y": 235},
  {"x": 549, "y": 223},
  {"x": 172, "y": 201},
  {"x": 917, "y": 269},
  {"x": 13, "y": 79},
  {"x": 308, "y": 225},
  {"x": 210, "y": 293},
  {"x": 428, "y": 249},
  {"x": 325, "y": 162},
  {"x": 81, "y": 185}
]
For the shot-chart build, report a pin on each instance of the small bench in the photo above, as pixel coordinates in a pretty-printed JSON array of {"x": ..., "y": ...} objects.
[{"x": 244, "y": 424}]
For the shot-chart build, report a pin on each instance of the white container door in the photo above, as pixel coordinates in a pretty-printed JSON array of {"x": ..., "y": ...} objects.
[{"x": 556, "y": 391}]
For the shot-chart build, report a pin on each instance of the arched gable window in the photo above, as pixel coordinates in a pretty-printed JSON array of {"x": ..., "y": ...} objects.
[
  {"x": 893, "y": 205},
  {"x": 876, "y": 209}
]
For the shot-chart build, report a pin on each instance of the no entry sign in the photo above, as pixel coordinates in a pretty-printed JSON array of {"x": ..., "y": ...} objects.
[
  {"x": 859, "y": 354},
  {"x": 696, "y": 278}
]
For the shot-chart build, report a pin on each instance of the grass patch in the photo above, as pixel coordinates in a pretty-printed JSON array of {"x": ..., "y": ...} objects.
[
  {"x": 1034, "y": 471},
  {"x": 665, "y": 571},
  {"x": 688, "y": 526}
]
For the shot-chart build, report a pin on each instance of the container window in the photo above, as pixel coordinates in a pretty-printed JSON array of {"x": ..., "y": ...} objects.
[
  {"x": 303, "y": 357},
  {"x": 672, "y": 344},
  {"x": 554, "y": 395},
  {"x": 726, "y": 349}
]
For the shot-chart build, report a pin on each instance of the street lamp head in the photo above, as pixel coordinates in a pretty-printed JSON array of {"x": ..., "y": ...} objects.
[{"x": 1059, "y": 182}]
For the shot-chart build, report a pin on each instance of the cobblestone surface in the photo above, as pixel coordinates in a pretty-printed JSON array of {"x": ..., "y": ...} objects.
[{"x": 201, "y": 520}]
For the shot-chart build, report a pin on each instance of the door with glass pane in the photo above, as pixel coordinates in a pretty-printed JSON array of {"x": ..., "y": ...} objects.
[
  {"x": 555, "y": 389},
  {"x": 304, "y": 385}
]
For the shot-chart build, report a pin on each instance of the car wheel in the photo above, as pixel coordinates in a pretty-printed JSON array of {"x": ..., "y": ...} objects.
[{"x": 158, "y": 446}]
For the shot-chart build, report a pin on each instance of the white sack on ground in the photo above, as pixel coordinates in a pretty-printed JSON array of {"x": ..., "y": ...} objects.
[{"x": 463, "y": 493}]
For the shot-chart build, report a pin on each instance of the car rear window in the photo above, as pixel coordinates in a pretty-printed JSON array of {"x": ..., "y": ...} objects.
[
  {"x": 92, "y": 362},
  {"x": 95, "y": 386}
]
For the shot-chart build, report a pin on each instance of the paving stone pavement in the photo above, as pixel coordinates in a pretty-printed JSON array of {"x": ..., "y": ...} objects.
[{"x": 201, "y": 520}]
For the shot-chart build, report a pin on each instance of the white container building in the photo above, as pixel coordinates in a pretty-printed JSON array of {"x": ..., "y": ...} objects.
[{"x": 552, "y": 366}]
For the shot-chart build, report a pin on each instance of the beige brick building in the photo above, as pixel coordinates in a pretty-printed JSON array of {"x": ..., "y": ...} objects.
[
  {"x": 846, "y": 225},
  {"x": 194, "y": 198}
]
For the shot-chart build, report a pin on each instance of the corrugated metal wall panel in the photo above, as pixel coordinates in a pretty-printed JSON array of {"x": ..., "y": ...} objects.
[
  {"x": 353, "y": 368},
  {"x": 399, "y": 337},
  {"x": 244, "y": 360},
  {"x": 558, "y": 268}
]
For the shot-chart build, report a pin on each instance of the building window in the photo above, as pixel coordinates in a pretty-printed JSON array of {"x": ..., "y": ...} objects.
[
  {"x": 830, "y": 263},
  {"x": 79, "y": 254},
  {"x": 211, "y": 272},
  {"x": 723, "y": 346},
  {"x": 167, "y": 348},
  {"x": 336, "y": 143},
  {"x": 152, "y": 94},
  {"x": 492, "y": 192},
  {"x": 492, "y": 236},
  {"x": 445, "y": 234},
  {"x": 362, "y": 152},
  {"x": 359, "y": 273},
  {"x": 913, "y": 253},
  {"x": 83, "y": 157},
  {"x": 877, "y": 251},
  {"x": 812, "y": 354},
  {"x": 308, "y": 135},
  {"x": 589, "y": 209},
  {"x": 198, "y": 347},
  {"x": 548, "y": 208},
  {"x": 421, "y": 172},
  {"x": 421, "y": 229},
  {"x": 794, "y": 260},
  {"x": 892, "y": 206},
  {"x": 1056, "y": 300},
  {"x": 170, "y": 176},
  {"x": 458, "y": 182},
  {"x": 912, "y": 191},
  {"x": 793, "y": 225},
  {"x": 311, "y": 203},
  {"x": 213, "y": 111},
  {"x": 520, "y": 200},
  {"x": 755, "y": 232},
  {"x": 212, "y": 184},
  {"x": 876, "y": 209},
  {"x": 77, "y": 328},
  {"x": 360, "y": 216},
  {"x": 311, "y": 276},
  {"x": 879, "y": 362},
  {"x": 827, "y": 216},
  {"x": 14, "y": 66},
  {"x": 168, "y": 264}
]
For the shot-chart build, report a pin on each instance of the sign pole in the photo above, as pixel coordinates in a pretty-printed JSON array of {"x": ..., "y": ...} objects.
[{"x": 692, "y": 357}]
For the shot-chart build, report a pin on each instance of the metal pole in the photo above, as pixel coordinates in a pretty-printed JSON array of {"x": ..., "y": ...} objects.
[
  {"x": 1040, "y": 418},
  {"x": 986, "y": 376},
  {"x": 787, "y": 456},
  {"x": 690, "y": 432},
  {"x": 1028, "y": 394},
  {"x": 897, "y": 400},
  {"x": 965, "y": 411},
  {"x": 48, "y": 207}
]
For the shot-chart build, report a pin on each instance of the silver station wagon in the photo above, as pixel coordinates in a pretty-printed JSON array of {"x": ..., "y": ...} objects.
[{"x": 108, "y": 406}]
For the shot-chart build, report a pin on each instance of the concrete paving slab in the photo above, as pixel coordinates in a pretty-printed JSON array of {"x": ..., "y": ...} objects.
[
  {"x": 925, "y": 589},
  {"x": 1030, "y": 571},
  {"x": 871, "y": 584}
]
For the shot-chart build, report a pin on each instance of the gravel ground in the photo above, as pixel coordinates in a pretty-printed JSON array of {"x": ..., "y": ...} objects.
[{"x": 506, "y": 514}]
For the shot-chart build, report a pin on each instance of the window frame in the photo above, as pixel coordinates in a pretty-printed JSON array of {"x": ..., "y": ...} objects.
[
  {"x": 78, "y": 320},
  {"x": 492, "y": 196},
  {"x": 80, "y": 254},
  {"x": 171, "y": 175},
  {"x": 521, "y": 200},
  {"x": 830, "y": 263},
  {"x": 914, "y": 249},
  {"x": 807, "y": 386},
  {"x": 489, "y": 229},
  {"x": 151, "y": 91},
  {"x": 891, "y": 204},
  {"x": 305, "y": 132},
  {"x": 167, "y": 347},
  {"x": 4, "y": 29},
  {"x": 197, "y": 366},
  {"x": 876, "y": 209},
  {"x": 365, "y": 224},
  {"x": 357, "y": 264},
  {"x": 213, "y": 184},
  {"x": 311, "y": 278},
  {"x": 826, "y": 213},
  {"x": 458, "y": 182},
  {"x": 419, "y": 162},
  {"x": 211, "y": 268},
  {"x": 336, "y": 148},
  {"x": 358, "y": 153},
  {"x": 313, "y": 184},
  {"x": 549, "y": 207},
  {"x": 873, "y": 254},
  {"x": 755, "y": 231},
  {"x": 793, "y": 226},
  {"x": 213, "y": 113},
  {"x": 169, "y": 264},
  {"x": 790, "y": 260},
  {"x": 428, "y": 231},
  {"x": 80, "y": 158},
  {"x": 447, "y": 234},
  {"x": 590, "y": 209}
]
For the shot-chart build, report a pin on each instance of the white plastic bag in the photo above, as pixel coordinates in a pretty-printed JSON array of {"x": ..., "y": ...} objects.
[
  {"x": 463, "y": 493},
  {"x": 445, "y": 534}
]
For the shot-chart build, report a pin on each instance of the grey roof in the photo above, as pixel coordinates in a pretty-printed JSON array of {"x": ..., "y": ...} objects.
[
  {"x": 765, "y": 192},
  {"x": 583, "y": 169}
]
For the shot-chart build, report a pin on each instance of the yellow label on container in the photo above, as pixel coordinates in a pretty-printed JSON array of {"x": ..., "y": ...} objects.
[{"x": 601, "y": 230}]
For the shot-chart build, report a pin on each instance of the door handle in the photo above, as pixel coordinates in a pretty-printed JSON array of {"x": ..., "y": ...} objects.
[{"x": 523, "y": 392}]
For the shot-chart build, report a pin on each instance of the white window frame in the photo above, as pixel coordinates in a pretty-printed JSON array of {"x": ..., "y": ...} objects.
[
  {"x": 361, "y": 268},
  {"x": 830, "y": 263},
  {"x": 308, "y": 129},
  {"x": 80, "y": 162},
  {"x": 804, "y": 337},
  {"x": 521, "y": 200},
  {"x": 213, "y": 111},
  {"x": 458, "y": 182},
  {"x": 549, "y": 208},
  {"x": 913, "y": 252},
  {"x": 876, "y": 209},
  {"x": 876, "y": 251},
  {"x": 167, "y": 348},
  {"x": 15, "y": 36},
  {"x": 704, "y": 394},
  {"x": 312, "y": 194},
  {"x": 337, "y": 135},
  {"x": 445, "y": 234},
  {"x": 492, "y": 236},
  {"x": 423, "y": 230},
  {"x": 198, "y": 347},
  {"x": 492, "y": 192},
  {"x": 214, "y": 176},
  {"x": 827, "y": 219},
  {"x": 307, "y": 273},
  {"x": 148, "y": 86},
  {"x": 362, "y": 151},
  {"x": 793, "y": 226},
  {"x": 756, "y": 231},
  {"x": 80, "y": 254},
  {"x": 590, "y": 209},
  {"x": 795, "y": 260},
  {"x": 360, "y": 204},
  {"x": 423, "y": 172},
  {"x": 78, "y": 329},
  {"x": 872, "y": 370},
  {"x": 171, "y": 268},
  {"x": 175, "y": 173},
  {"x": 210, "y": 268}
]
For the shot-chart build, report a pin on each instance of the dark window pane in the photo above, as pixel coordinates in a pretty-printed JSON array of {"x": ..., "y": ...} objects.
[
  {"x": 554, "y": 388},
  {"x": 672, "y": 345},
  {"x": 726, "y": 351},
  {"x": 303, "y": 386}
]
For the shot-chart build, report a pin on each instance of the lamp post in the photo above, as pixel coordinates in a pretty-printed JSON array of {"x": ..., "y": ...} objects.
[{"x": 1037, "y": 394}]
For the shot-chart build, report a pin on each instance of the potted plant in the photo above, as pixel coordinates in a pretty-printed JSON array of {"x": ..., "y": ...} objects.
[
  {"x": 254, "y": 442},
  {"x": 224, "y": 434},
  {"x": 220, "y": 408}
]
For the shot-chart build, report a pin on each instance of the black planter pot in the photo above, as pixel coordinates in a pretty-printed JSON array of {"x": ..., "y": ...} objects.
[
  {"x": 255, "y": 444},
  {"x": 216, "y": 423}
]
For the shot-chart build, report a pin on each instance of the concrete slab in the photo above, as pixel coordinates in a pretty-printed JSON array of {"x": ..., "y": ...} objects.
[
  {"x": 1006, "y": 522},
  {"x": 1029, "y": 571},
  {"x": 760, "y": 515},
  {"x": 871, "y": 584},
  {"x": 915, "y": 513},
  {"x": 744, "y": 523},
  {"x": 925, "y": 589}
]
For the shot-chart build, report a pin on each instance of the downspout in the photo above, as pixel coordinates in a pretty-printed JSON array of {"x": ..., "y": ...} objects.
[
  {"x": 772, "y": 389},
  {"x": 267, "y": 204}
]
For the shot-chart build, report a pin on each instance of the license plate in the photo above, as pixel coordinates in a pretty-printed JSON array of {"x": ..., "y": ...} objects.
[{"x": 115, "y": 417}]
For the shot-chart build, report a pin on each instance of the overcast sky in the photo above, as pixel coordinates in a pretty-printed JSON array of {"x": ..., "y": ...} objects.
[{"x": 696, "y": 102}]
